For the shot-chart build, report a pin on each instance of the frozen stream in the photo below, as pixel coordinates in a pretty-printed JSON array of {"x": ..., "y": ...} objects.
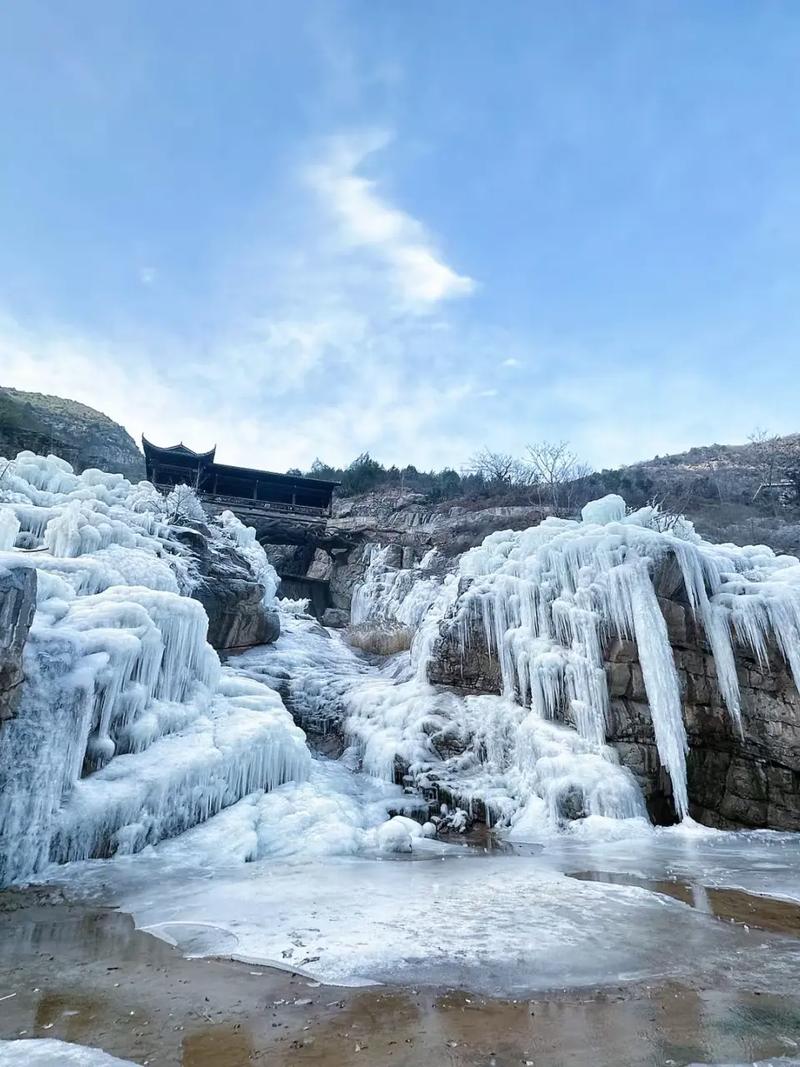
[{"x": 307, "y": 877}]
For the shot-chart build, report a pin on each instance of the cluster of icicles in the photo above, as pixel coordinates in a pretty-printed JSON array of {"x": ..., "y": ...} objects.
[
  {"x": 548, "y": 599},
  {"x": 129, "y": 729},
  {"x": 545, "y": 602}
]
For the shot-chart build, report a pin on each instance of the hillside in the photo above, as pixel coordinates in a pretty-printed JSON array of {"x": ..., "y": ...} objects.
[
  {"x": 747, "y": 493},
  {"x": 73, "y": 431}
]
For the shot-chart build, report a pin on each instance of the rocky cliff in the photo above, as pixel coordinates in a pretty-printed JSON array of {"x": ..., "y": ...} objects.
[
  {"x": 390, "y": 517},
  {"x": 84, "y": 437},
  {"x": 229, "y": 590}
]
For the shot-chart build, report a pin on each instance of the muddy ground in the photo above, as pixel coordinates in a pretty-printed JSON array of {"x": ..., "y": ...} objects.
[{"x": 86, "y": 975}]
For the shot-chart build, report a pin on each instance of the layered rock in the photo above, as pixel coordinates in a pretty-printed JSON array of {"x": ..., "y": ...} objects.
[
  {"x": 17, "y": 605},
  {"x": 393, "y": 517},
  {"x": 747, "y": 779}
]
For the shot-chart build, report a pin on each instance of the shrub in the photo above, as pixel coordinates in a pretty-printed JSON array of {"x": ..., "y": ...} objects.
[{"x": 382, "y": 638}]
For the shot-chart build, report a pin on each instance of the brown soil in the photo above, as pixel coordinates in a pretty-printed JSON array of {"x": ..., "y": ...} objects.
[{"x": 87, "y": 976}]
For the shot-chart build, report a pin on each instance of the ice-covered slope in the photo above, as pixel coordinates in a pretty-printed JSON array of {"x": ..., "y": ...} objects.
[{"x": 128, "y": 730}]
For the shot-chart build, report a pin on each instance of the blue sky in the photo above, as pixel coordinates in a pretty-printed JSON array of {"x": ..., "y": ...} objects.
[{"x": 414, "y": 228}]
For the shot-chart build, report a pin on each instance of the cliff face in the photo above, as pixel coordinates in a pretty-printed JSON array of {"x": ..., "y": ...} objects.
[
  {"x": 391, "y": 517},
  {"x": 747, "y": 780},
  {"x": 79, "y": 434}
]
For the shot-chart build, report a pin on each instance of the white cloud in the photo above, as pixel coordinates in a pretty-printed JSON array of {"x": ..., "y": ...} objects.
[
  {"x": 368, "y": 221},
  {"x": 147, "y": 275},
  {"x": 511, "y": 362}
]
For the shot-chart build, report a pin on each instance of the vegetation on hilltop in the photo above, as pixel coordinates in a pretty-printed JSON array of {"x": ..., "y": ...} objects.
[{"x": 742, "y": 493}]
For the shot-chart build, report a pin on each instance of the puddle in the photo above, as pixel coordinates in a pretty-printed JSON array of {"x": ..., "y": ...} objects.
[{"x": 732, "y": 905}]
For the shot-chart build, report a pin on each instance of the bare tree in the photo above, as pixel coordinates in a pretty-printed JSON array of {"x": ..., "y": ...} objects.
[
  {"x": 778, "y": 463},
  {"x": 497, "y": 467},
  {"x": 556, "y": 473},
  {"x": 766, "y": 447},
  {"x": 183, "y": 506}
]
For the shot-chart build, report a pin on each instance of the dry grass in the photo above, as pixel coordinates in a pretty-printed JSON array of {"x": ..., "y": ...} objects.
[{"x": 382, "y": 638}]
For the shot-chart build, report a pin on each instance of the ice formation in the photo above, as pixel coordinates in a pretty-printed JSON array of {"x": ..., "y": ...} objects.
[
  {"x": 129, "y": 730},
  {"x": 131, "y": 733},
  {"x": 546, "y": 600}
]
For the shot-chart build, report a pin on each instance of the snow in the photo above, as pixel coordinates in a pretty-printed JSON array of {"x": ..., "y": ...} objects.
[{"x": 47, "y": 1052}]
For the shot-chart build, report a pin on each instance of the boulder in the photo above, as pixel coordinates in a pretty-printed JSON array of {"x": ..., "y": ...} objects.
[
  {"x": 17, "y": 605},
  {"x": 237, "y": 617},
  {"x": 335, "y": 618}
]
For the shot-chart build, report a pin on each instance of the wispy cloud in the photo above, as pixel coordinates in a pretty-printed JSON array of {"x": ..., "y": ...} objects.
[{"x": 367, "y": 220}]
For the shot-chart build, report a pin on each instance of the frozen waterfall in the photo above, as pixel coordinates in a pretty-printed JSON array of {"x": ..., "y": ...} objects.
[
  {"x": 128, "y": 730},
  {"x": 549, "y": 598}
]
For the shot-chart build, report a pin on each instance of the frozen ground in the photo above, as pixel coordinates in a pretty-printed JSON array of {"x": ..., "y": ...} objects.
[
  {"x": 499, "y": 923},
  {"x": 45, "y": 1052}
]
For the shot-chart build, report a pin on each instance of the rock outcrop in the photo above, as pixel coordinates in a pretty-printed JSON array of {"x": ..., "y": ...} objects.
[
  {"x": 227, "y": 588},
  {"x": 749, "y": 779},
  {"x": 17, "y": 605},
  {"x": 392, "y": 517},
  {"x": 77, "y": 433}
]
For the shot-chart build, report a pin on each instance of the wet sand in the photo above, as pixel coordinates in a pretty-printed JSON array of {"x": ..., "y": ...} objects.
[
  {"x": 733, "y": 905},
  {"x": 86, "y": 975}
]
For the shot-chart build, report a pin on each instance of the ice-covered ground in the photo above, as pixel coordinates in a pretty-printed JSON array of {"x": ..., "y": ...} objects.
[
  {"x": 46, "y": 1052},
  {"x": 342, "y": 911}
]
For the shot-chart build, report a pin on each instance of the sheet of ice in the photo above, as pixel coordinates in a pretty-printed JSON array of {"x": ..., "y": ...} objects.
[
  {"x": 497, "y": 924},
  {"x": 47, "y": 1052},
  {"x": 763, "y": 862}
]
